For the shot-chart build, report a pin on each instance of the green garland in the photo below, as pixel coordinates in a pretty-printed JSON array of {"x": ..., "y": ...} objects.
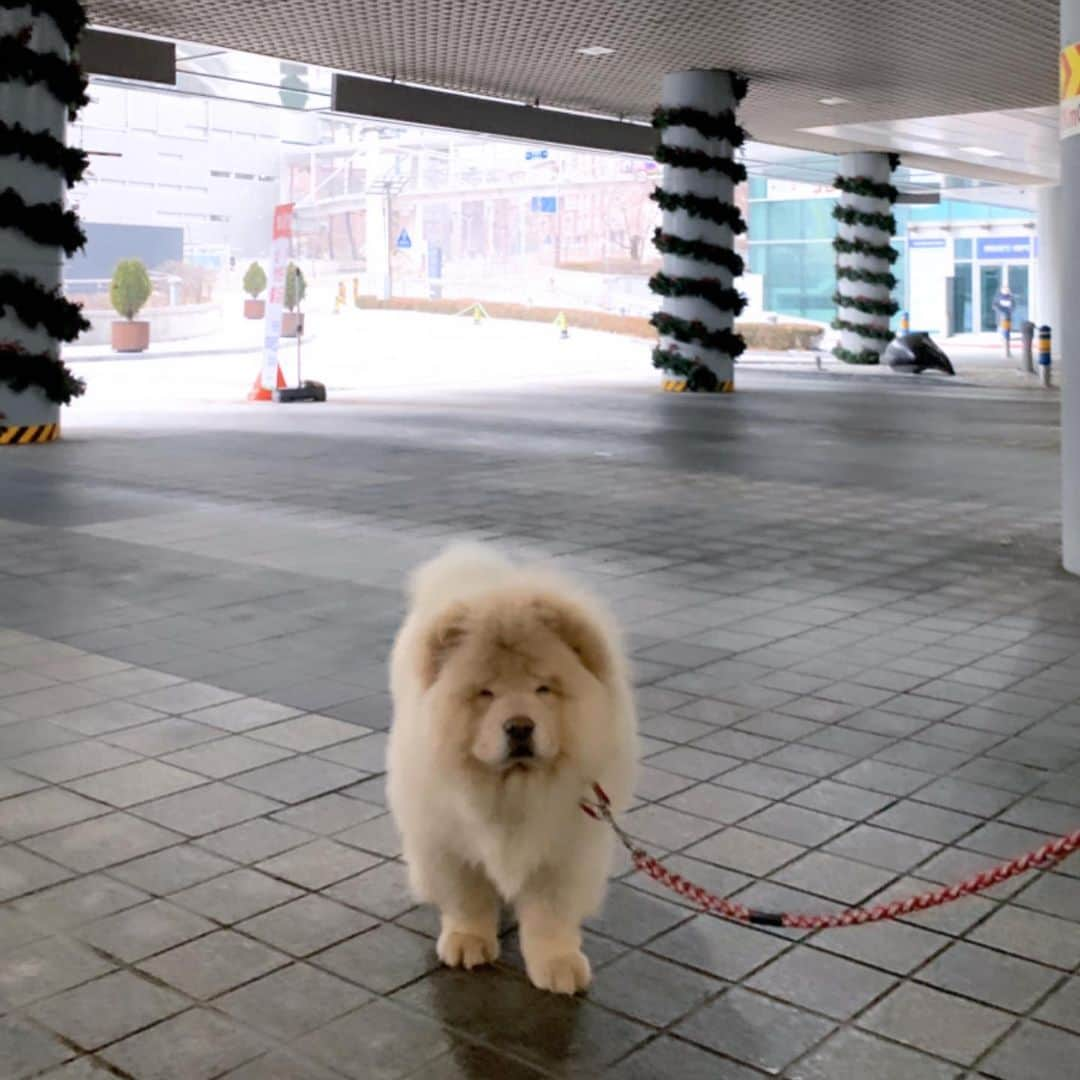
[
  {"x": 65, "y": 80},
  {"x": 680, "y": 157},
  {"x": 673, "y": 361},
  {"x": 868, "y": 277},
  {"x": 718, "y": 125},
  {"x": 20, "y": 370},
  {"x": 43, "y": 148},
  {"x": 850, "y": 216},
  {"x": 48, "y": 224},
  {"x": 699, "y": 206},
  {"x": 861, "y": 247},
  {"x": 44, "y": 223},
  {"x": 867, "y": 305},
  {"x": 695, "y": 332},
  {"x": 865, "y": 356},
  {"x": 862, "y": 329},
  {"x": 36, "y": 306},
  {"x": 70, "y": 18},
  {"x": 862, "y": 185},
  {"x": 699, "y": 250},
  {"x": 712, "y": 290}
]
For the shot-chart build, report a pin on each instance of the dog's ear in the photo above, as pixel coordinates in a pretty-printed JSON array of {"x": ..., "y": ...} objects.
[
  {"x": 445, "y": 634},
  {"x": 573, "y": 625}
]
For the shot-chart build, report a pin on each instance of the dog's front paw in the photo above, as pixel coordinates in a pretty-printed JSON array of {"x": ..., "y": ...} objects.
[
  {"x": 458, "y": 948},
  {"x": 561, "y": 973}
]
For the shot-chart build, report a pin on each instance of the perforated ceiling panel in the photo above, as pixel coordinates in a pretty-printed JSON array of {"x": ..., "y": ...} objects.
[{"x": 904, "y": 58}]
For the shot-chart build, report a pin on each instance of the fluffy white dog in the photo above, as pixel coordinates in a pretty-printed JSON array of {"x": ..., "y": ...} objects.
[{"x": 511, "y": 697}]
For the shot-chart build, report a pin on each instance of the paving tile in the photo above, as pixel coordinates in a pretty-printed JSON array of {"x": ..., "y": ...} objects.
[
  {"x": 841, "y": 800},
  {"x": 937, "y": 1023},
  {"x": 501, "y": 1009},
  {"x": 43, "y": 811},
  {"x": 382, "y": 959},
  {"x": 196, "y": 1045},
  {"x": 73, "y": 760},
  {"x": 184, "y": 697},
  {"x": 985, "y": 975},
  {"x": 1034, "y": 1052},
  {"x": 745, "y": 851},
  {"x": 797, "y": 824},
  {"x": 251, "y": 841},
  {"x": 726, "y": 950},
  {"x": 652, "y": 990},
  {"x": 307, "y": 925},
  {"x": 292, "y": 1001},
  {"x": 927, "y": 822},
  {"x": 22, "y": 872},
  {"x": 693, "y": 762},
  {"x": 832, "y": 876},
  {"x": 102, "y": 841},
  {"x": 106, "y": 718},
  {"x": 206, "y": 809},
  {"x": 166, "y": 872},
  {"x": 634, "y": 917},
  {"x": 80, "y": 901},
  {"x": 235, "y": 896},
  {"x": 310, "y": 732},
  {"x": 894, "y": 946},
  {"x": 210, "y": 965},
  {"x": 280, "y": 1065},
  {"x": 376, "y": 1042},
  {"x": 46, "y": 967},
  {"x": 881, "y": 847},
  {"x": 753, "y": 1029},
  {"x": 136, "y": 783},
  {"x": 164, "y": 736},
  {"x": 766, "y": 780},
  {"x": 1063, "y": 1006},
  {"x": 243, "y": 714},
  {"x": 379, "y": 835},
  {"x": 28, "y": 1050},
  {"x": 854, "y": 1055},
  {"x": 716, "y": 803},
  {"x": 141, "y": 931},
  {"x": 328, "y": 814},
  {"x": 108, "y": 1009},
  {"x": 226, "y": 756},
  {"x": 318, "y": 864},
  {"x": 383, "y": 891},
  {"x": 366, "y": 755},
  {"x": 297, "y": 779},
  {"x": 664, "y": 827},
  {"x": 1030, "y": 934},
  {"x": 670, "y": 1057}
]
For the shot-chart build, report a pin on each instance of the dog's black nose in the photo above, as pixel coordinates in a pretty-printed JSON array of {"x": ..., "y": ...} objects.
[{"x": 519, "y": 730}]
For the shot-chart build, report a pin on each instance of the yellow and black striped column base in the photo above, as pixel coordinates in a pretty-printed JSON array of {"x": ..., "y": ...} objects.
[
  {"x": 677, "y": 384},
  {"x": 29, "y": 434}
]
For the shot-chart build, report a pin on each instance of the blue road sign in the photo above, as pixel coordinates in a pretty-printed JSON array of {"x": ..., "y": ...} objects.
[
  {"x": 544, "y": 204},
  {"x": 403, "y": 240}
]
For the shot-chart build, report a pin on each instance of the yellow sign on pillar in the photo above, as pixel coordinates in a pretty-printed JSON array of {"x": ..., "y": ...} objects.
[{"x": 1070, "y": 90}]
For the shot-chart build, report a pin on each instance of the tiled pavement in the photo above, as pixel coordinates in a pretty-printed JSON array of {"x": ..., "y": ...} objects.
[{"x": 860, "y": 675}]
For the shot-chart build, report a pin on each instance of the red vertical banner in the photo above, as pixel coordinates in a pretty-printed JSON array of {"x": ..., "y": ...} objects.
[{"x": 279, "y": 261}]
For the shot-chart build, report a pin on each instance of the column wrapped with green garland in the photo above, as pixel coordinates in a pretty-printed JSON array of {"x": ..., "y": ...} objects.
[
  {"x": 864, "y": 256},
  {"x": 41, "y": 87},
  {"x": 699, "y": 134}
]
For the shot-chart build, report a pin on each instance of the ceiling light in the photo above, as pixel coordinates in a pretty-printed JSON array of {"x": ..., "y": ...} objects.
[
  {"x": 980, "y": 151},
  {"x": 834, "y": 101},
  {"x": 595, "y": 50}
]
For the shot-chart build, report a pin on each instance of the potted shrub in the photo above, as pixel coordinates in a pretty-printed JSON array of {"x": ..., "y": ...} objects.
[
  {"x": 292, "y": 320},
  {"x": 254, "y": 284},
  {"x": 128, "y": 293}
]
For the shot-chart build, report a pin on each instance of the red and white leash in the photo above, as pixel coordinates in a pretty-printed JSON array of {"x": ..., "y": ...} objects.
[{"x": 1051, "y": 853}]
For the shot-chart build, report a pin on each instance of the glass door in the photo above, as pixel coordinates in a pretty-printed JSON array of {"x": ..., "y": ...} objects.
[
  {"x": 1018, "y": 286},
  {"x": 990, "y": 281}
]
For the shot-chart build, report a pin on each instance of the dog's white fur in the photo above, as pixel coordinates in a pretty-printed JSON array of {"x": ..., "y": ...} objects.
[{"x": 480, "y": 828}]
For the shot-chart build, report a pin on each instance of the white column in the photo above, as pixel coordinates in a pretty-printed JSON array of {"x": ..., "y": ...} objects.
[
  {"x": 376, "y": 225},
  {"x": 1067, "y": 339},
  {"x": 34, "y": 108},
  {"x": 1048, "y": 263},
  {"x": 874, "y": 167},
  {"x": 713, "y": 93}
]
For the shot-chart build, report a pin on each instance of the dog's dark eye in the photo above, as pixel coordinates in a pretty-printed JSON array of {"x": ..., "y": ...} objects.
[
  {"x": 543, "y": 689},
  {"x": 486, "y": 694}
]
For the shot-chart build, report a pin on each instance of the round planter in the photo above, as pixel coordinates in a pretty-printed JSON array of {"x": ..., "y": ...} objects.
[
  {"x": 254, "y": 309},
  {"x": 131, "y": 335},
  {"x": 291, "y": 322},
  {"x": 27, "y": 417}
]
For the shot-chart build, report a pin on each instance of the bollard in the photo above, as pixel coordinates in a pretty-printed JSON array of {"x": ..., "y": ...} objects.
[
  {"x": 1027, "y": 343},
  {"x": 905, "y": 322},
  {"x": 1044, "y": 355},
  {"x": 1006, "y": 333}
]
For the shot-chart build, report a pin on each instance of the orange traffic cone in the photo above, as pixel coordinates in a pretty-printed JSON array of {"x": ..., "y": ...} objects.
[{"x": 259, "y": 392}]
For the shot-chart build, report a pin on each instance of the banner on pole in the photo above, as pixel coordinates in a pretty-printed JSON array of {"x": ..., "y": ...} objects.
[{"x": 279, "y": 261}]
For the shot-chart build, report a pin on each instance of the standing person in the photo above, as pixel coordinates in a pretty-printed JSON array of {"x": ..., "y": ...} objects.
[{"x": 1003, "y": 305}]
